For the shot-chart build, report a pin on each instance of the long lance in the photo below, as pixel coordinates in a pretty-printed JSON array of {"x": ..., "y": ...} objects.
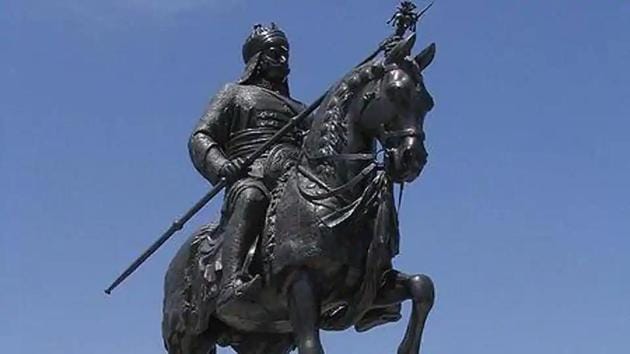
[{"x": 179, "y": 223}]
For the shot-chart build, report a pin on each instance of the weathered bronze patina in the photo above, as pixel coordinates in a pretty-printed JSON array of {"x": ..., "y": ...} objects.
[
  {"x": 308, "y": 232},
  {"x": 309, "y": 227}
]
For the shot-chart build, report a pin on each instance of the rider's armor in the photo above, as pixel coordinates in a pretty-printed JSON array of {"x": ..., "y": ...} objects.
[{"x": 240, "y": 119}]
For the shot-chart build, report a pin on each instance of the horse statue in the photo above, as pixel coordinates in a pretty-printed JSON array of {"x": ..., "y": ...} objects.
[{"x": 324, "y": 259}]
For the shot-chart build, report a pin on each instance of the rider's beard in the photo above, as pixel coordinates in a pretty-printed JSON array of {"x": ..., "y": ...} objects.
[
  {"x": 277, "y": 74},
  {"x": 273, "y": 70},
  {"x": 274, "y": 76}
]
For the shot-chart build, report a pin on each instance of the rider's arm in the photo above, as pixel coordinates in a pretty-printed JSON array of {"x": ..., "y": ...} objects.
[{"x": 208, "y": 140}]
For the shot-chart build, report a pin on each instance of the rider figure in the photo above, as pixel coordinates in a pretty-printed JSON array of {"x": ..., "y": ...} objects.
[{"x": 239, "y": 119}]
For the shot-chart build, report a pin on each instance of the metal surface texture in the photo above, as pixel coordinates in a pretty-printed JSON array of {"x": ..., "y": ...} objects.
[{"x": 309, "y": 226}]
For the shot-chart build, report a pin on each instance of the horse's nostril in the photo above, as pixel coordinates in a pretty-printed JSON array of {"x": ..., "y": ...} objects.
[{"x": 408, "y": 156}]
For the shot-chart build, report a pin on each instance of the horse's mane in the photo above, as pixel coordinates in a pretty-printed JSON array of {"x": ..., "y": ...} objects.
[{"x": 328, "y": 135}]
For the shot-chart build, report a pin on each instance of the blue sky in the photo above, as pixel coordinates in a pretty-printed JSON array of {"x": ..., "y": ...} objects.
[{"x": 522, "y": 216}]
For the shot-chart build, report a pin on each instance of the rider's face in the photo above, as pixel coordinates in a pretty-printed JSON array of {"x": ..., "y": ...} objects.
[{"x": 275, "y": 62}]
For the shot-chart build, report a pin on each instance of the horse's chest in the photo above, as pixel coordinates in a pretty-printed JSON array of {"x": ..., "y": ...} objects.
[{"x": 300, "y": 238}]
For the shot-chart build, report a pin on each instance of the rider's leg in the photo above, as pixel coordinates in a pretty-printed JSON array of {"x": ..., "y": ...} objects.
[
  {"x": 246, "y": 220},
  {"x": 304, "y": 314}
]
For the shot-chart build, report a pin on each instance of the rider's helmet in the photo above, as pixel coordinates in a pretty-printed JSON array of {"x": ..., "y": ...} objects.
[{"x": 260, "y": 39}]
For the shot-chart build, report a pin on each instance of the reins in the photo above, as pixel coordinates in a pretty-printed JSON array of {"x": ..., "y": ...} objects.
[
  {"x": 338, "y": 191},
  {"x": 400, "y": 196}
]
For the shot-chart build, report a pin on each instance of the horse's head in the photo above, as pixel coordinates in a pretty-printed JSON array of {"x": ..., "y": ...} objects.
[{"x": 394, "y": 107}]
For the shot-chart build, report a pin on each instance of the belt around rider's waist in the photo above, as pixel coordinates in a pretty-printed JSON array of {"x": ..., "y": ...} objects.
[{"x": 243, "y": 143}]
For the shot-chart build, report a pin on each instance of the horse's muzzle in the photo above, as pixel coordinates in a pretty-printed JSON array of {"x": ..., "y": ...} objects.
[{"x": 405, "y": 162}]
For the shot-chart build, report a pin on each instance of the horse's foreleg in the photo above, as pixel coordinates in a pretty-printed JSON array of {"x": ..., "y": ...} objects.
[
  {"x": 418, "y": 288},
  {"x": 304, "y": 313},
  {"x": 422, "y": 292}
]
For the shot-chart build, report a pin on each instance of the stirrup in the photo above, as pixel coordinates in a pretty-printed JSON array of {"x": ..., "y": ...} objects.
[
  {"x": 241, "y": 290},
  {"x": 249, "y": 287}
]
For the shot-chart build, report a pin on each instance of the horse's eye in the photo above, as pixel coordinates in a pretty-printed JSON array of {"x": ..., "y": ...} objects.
[{"x": 399, "y": 92}]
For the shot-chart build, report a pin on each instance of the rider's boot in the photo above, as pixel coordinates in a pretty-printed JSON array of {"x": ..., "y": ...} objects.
[{"x": 243, "y": 225}]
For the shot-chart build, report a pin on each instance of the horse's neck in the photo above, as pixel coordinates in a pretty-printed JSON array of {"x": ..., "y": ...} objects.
[
  {"x": 337, "y": 171},
  {"x": 335, "y": 132}
]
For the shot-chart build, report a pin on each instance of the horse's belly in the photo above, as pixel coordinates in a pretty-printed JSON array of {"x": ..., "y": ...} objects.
[{"x": 266, "y": 312}]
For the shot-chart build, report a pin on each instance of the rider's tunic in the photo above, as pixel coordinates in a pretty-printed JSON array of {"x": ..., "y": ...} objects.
[{"x": 238, "y": 120}]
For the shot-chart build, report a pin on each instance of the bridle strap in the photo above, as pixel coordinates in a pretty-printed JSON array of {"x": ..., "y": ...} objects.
[
  {"x": 340, "y": 157},
  {"x": 400, "y": 196},
  {"x": 345, "y": 157},
  {"x": 341, "y": 189},
  {"x": 403, "y": 133},
  {"x": 310, "y": 175}
]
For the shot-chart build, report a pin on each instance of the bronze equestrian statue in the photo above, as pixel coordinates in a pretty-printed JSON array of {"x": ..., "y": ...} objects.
[
  {"x": 309, "y": 227},
  {"x": 307, "y": 234}
]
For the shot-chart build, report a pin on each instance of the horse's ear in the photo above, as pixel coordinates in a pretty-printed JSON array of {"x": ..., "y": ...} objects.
[
  {"x": 401, "y": 50},
  {"x": 425, "y": 57}
]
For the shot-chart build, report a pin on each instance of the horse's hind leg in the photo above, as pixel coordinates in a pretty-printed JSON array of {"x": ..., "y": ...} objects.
[
  {"x": 266, "y": 343},
  {"x": 199, "y": 344},
  {"x": 304, "y": 313},
  {"x": 419, "y": 288}
]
